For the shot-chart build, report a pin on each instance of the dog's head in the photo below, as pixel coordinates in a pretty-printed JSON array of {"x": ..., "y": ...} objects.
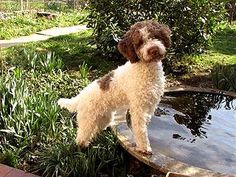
[{"x": 146, "y": 41}]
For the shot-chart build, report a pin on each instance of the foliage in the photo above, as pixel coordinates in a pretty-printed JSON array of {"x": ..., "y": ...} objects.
[
  {"x": 221, "y": 51},
  {"x": 192, "y": 22},
  {"x": 34, "y": 132},
  {"x": 59, "y": 6},
  {"x": 66, "y": 159},
  {"x": 9, "y": 6},
  {"x": 224, "y": 77},
  {"x": 27, "y": 24}
]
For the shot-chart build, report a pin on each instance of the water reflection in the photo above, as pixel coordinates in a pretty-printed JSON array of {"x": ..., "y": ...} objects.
[
  {"x": 194, "y": 110},
  {"x": 196, "y": 128}
]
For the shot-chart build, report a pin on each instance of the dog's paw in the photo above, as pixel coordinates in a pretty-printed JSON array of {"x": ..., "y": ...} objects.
[
  {"x": 82, "y": 144},
  {"x": 133, "y": 144},
  {"x": 144, "y": 152},
  {"x": 67, "y": 104}
]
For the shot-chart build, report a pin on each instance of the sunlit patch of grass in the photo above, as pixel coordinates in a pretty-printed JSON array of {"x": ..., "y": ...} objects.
[
  {"x": 74, "y": 50},
  {"x": 22, "y": 25},
  {"x": 221, "y": 51}
]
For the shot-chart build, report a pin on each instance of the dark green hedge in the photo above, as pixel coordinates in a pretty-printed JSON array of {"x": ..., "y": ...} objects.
[{"x": 192, "y": 21}]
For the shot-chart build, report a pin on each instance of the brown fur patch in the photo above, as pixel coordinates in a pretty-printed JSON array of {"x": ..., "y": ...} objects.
[
  {"x": 104, "y": 82},
  {"x": 126, "y": 48}
]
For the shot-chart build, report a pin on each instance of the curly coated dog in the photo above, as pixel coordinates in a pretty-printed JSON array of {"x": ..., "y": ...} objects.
[{"x": 138, "y": 86}]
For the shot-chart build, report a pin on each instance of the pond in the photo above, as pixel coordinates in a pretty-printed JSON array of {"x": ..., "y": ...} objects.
[
  {"x": 198, "y": 129},
  {"x": 194, "y": 128}
]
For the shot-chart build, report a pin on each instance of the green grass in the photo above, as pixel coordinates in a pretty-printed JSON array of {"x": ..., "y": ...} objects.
[
  {"x": 22, "y": 25},
  {"x": 10, "y": 6},
  {"x": 221, "y": 51},
  {"x": 217, "y": 65},
  {"x": 73, "y": 49}
]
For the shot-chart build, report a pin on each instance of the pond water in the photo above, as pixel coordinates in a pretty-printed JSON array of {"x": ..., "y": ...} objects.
[{"x": 196, "y": 128}]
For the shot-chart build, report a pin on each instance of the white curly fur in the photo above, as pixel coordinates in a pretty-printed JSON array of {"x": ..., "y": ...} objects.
[{"x": 136, "y": 86}]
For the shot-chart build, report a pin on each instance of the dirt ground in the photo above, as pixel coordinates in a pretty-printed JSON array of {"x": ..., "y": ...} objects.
[{"x": 202, "y": 80}]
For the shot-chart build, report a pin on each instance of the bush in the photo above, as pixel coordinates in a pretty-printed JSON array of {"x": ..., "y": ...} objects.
[
  {"x": 36, "y": 134},
  {"x": 224, "y": 77},
  {"x": 192, "y": 21}
]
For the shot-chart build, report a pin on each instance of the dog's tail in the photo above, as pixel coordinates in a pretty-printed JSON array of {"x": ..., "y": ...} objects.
[{"x": 70, "y": 104}]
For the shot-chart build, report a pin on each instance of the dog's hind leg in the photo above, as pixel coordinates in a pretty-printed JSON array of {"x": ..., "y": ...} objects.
[{"x": 89, "y": 128}]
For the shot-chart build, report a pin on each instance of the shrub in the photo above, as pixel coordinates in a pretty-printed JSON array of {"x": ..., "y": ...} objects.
[
  {"x": 224, "y": 77},
  {"x": 192, "y": 21},
  {"x": 36, "y": 133},
  {"x": 66, "y": 159}
]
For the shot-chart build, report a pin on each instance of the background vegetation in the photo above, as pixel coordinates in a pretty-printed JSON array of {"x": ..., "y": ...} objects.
[
  {"x": 26, "y": 24},
  {"x": 192, "y": 22},
  {"x": 37, "y": 136}
]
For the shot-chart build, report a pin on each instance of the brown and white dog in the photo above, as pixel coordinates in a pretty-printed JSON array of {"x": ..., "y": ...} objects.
[{"x": 138, "y": 86}]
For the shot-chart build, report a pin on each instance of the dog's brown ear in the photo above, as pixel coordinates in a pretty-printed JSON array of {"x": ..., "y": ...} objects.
[
  {"x": 126, "y": 48},
  {"x": 166, "y": 32},
  {"x": 163, "y": 33}
]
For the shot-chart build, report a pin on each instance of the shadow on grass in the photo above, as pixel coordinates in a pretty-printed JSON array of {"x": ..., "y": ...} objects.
[
  {"x": 76, "y": 49},
  {"x": 225, "y": 41},
  {"x": 73, "y": 50}
]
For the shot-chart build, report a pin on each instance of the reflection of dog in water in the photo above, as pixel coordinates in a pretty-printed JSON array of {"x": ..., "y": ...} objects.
[{"x": 138, "y": 86}]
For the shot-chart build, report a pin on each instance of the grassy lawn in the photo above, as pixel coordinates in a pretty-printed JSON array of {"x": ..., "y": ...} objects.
[
  {"x": 222, "y": 50},
  {"x": 22, "y": 25},
  {"x": 217, "y": 66},
  {"x": 10, "y": 6}
]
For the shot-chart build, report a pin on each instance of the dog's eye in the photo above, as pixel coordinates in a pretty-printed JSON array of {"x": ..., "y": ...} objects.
[{"x": 138, "y": 42}]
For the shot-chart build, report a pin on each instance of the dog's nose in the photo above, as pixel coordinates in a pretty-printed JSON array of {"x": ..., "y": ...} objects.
[{"x": 153, "y": 51}]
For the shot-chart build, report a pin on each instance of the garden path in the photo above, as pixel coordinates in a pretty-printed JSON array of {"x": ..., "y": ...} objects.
[{"x": 42, "y": 35}]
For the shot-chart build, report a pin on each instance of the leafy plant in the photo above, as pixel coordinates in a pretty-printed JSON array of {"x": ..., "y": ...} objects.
[
  {"x": 84, "y": 71},
  {"x": 66, "y": 159},
  {"x": 224, "y": 77},
  {"x": 42, "y": 62}
]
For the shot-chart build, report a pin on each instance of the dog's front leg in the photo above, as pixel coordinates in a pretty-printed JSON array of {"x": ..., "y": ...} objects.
[{"x": 139, "y": 120}]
